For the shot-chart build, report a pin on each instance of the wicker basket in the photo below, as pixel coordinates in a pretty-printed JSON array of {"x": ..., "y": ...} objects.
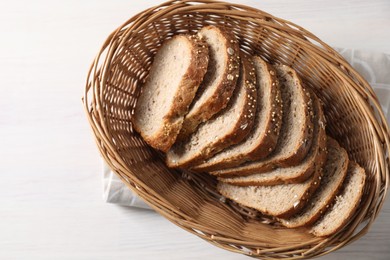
[{"x": 190, "y": 200}]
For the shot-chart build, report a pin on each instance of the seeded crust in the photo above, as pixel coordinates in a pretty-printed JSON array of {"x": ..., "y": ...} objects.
[
  {"x": 178, "y": 97},
  {"x": 334, "y": 172},
  {"x": 345, "y": 204},
  {"x": 227, "y": 128},
  {"x": 296, "y": 131},
  {"x": 297, "y": 173},
  {"x": 216, "y": 89},
  {"x": 282, "y": 201},
  {"x": 268, "y": 119}
]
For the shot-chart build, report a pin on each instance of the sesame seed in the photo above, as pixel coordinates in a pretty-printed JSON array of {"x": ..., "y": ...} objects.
[{"x": 244, "y": 126}]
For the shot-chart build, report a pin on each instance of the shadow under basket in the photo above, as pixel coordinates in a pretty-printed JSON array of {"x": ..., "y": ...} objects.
[{"x": 190, "y": 200}]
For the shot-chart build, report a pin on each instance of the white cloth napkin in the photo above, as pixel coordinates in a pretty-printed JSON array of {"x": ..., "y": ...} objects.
[{"x": 374, "y": 67}]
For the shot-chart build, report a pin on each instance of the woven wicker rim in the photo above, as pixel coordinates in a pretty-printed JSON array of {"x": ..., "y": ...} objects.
[{"x": 121, "y": 67}]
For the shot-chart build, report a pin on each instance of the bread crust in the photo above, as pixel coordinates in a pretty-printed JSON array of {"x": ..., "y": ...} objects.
[
  {"x": 346, "y": 218},
  {"x": 343, "y": 172},
  {"x": 274, "y": 124},
  {"x": 237, "y": 133},
  {"x": 321, "y": 144},
  {"x": 224, "y": 89},
  {"x": 172, "y": 121},
  {"x": 312, "y": 186},
  {"x": 265, "y": 143},
  {"x": 305, "y": 139},
  {"x": 299, "y": 202},
  {"x": 306, "y": 132}
]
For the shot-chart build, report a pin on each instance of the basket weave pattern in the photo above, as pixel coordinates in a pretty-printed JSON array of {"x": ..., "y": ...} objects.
[{"x": 190, "y": 200}]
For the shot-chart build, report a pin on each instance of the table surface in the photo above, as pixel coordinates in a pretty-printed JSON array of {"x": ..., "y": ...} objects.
[{"x": 51, "y": 203}]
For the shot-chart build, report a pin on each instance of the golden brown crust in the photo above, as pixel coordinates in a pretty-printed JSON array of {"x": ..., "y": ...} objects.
[
  {"x": 248, "y": 114},
  {"x": 307, "y": 134},
  {"x": 290, "y": 160},
  {"x": 347, "y": 218},
  {"x": 296, "y": 206},
  {"x": 266, "y": 143},
  {"x": 242, "y": 170},
  {"x": 311, "y": 188},
  {"x": 273, "y": 127},
  {"x": 224, "y": 90},
  {"x": 335, "y": 191},
  {"x": 189, "y": 84},
  {"x": 304, "y": 175},
  {"x": 356, "y": 205},
  {"x": 238, "y": 133}
]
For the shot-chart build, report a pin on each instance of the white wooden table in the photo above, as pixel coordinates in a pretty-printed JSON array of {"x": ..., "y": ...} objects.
[{"x": 50, "y": 172}]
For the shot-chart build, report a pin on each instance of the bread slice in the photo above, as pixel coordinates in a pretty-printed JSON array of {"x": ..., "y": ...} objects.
[
  {"x": 297, "y": 173},
  {"x": 334, "y": 173},
  {"x": 296, "y": 131},
  {"x": 282, "y": 201},
  {"x": 175, "y": 75},
  {"x": 219, "y": 82},
  {"x": 228, "y": 127},
  {"x": 268, "y": 119},
  {"x": 345, "y": 204}
]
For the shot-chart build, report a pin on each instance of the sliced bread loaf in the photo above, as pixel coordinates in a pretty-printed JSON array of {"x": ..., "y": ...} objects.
[
  {"x": 177, "y": 70},
  {"x": 345, "y": 204},
  {"x": 297, "y": 173},
  {"x": 228, "y": 127},
  {"x": 282, "y": 200},
  {"x": 335, "y": 170},
  {"x": 219, "y": 82},
  {"x": 296, "y": 131},
  {"x": 263, "y": 137}
]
